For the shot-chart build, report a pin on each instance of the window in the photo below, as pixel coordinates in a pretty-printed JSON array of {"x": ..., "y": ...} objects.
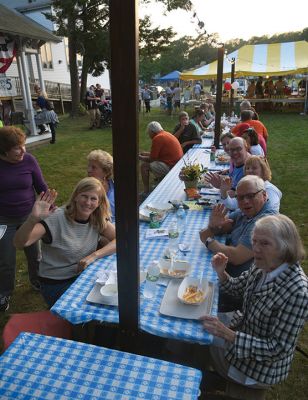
[{"x": 46, "y": 56}]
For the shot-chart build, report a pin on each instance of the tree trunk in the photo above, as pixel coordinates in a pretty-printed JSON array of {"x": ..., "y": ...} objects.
[
  {"x": 84, "y": 76},
  {"x": 72, "y": 51}
]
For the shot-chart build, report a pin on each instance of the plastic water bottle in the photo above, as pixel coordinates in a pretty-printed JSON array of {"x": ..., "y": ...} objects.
[
  {"x": 181, "y": 219},
  {"x": 213, "y": 154},
  {"x": 173, "y": 234},
  {"x": 151, "y": 280}
]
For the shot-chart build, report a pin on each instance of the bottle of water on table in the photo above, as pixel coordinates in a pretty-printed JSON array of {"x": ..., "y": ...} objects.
[
  {"x": 149, "y": 290},
  {"x": 181, "y": 219},
  {"x": 173, "y": 234}
]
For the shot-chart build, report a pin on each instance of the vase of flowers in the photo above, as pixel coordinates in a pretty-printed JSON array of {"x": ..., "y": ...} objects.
[{"x": 191, "y": 173}]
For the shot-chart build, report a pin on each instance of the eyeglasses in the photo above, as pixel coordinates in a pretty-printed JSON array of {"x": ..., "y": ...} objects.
[
  {"x": 248, "y": 196},
  {"x": 235, "y": 149}
]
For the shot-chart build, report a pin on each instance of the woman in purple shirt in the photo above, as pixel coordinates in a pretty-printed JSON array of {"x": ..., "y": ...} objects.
[{"x": 21, "y": 178}]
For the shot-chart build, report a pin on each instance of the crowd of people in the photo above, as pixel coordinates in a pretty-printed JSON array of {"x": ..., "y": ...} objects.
[
  {"x": 97, "y": 106},
  {"x": 261, "y": 88},
  {"x": 263, "y": 293},
  {"x": 172, "y": 97}
]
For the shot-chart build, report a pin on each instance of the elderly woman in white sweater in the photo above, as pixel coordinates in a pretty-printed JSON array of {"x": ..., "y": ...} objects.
[{"x": 259, "y": 166}]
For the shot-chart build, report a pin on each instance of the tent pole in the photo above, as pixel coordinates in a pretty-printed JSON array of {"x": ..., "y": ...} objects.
[
  {"x": 220, "y": 67},
  {"x": 232, "y": 90}
]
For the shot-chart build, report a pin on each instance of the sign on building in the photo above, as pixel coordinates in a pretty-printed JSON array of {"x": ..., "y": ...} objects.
[{"x": 7, "y": 87}]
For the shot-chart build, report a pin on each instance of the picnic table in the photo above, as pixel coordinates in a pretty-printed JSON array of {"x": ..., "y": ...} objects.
[
  {"x": 48, "y": 368},
  {"x": 74, "y": 307}
]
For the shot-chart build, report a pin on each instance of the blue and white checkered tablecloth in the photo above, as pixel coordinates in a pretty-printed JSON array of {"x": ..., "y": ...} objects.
[
  {"x": 48, "y": 368},
  {"x": 206, "y": 144},
  {"x": 73, "y": 305}
]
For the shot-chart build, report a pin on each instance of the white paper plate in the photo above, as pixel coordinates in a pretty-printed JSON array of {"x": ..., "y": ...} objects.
[
  {"x": 190, "y": 281},
  {"x": 95, "y": 295},
  {"x": 153, "y": 206},
  {"x": 173, "y": 307},
  {"x": 181, "y": 268}
]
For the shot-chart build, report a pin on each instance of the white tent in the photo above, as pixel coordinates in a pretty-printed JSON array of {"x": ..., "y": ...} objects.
[{"x": 259, "y": 60}]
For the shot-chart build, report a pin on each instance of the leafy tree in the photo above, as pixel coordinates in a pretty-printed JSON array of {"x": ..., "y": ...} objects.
[
  {"x": 152, "y": 42},
  {"x": 173, "y": 4},
  {"x": 86, "y": 22},
  {"x": 65, "y": 16},
  {"x": 174, "y": 57}
]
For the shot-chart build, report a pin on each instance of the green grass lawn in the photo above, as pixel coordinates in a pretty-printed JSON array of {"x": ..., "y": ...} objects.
[{"x": 64, "y": 163}]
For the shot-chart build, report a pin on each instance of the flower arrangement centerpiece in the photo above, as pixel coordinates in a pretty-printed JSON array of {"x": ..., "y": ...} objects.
[{"x": 190, "y": 173}]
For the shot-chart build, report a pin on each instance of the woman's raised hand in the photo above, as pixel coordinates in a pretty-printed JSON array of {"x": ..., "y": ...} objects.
[
  {"x": 43, "y": 206},
  {"x": 219, "y": 262}
]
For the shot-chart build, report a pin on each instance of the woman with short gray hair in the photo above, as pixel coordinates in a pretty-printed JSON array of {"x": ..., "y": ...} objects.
[{"x": 259, "y": 341}]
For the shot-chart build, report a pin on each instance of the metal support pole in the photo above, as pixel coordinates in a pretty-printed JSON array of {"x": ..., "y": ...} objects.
[
  {"x": 29, "y": 109},
  {"x": 220, "y": 67},
  {"x": 232, "y": 90}
]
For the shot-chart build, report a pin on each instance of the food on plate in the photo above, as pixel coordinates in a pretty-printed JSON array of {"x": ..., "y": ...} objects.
[
  {"x": 222, "y": 158},
  {"x": 206, "y": 202},
  {"x": 159, "y": 208},
  {"x": 193, "y": 295},
  {"x": 176, "y": 273}
]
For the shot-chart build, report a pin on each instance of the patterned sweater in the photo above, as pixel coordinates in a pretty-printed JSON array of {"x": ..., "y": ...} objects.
[{"x": 268, "y": 327}]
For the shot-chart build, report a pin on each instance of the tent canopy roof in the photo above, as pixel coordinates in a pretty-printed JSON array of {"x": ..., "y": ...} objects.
[
  {"x": 259, "y": 60},
  {"x": 16, "y": 24},
  {"x": 172, "y": 76}
]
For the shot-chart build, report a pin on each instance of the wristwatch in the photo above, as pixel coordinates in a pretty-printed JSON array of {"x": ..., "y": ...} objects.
[{"x": 208, "y": 241}]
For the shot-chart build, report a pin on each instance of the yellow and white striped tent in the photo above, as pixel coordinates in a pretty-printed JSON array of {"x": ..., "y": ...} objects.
[{"x": 259, "y": 60}]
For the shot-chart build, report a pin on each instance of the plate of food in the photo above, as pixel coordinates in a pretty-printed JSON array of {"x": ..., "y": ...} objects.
[
  {"x": 159, "y": 207},
  {"x": 181, "y": 268},
  {"x": 207, "y": 202},
  {"x": 222, "y": 159},
  {"x": 192, "y": 291}
]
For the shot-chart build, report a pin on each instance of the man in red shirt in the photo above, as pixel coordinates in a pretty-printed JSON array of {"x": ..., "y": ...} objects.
[
  {"x": 246, "y": 117},
  {"x": 165, "y": 153}
]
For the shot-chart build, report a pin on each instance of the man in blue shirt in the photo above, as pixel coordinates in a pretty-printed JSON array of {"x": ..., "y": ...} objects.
[
  {"x": 238, "y": 155},
  {"x": 238, "y": 225}
]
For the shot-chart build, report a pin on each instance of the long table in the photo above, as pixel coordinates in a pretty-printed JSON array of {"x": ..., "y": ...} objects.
[
  {"x": 48, "y": 368},
  {"x": 73, "y": 306}
]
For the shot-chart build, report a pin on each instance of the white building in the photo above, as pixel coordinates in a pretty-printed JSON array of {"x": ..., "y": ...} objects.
[{"x": 54, "y": 55}]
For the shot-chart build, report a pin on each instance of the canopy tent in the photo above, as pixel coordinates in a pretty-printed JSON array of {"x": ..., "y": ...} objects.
[
  {"x": 259, "y": 60},
  {"x": 172, "y": 76}
]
